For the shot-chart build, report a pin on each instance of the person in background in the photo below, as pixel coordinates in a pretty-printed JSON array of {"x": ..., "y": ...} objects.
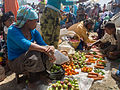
[
  {"x": 80, "y": 13},
  {"x": 75, "y": 9},
  {"x": 116, "y": 6},
  {"x": 24, "y": 55},
  {"x": 11, "y": 5},
  {"x": 82, "y": 29},
  {"x": 95, "y": 12},
  {"x": 50, "y": 23},
  {"x": 41, "y": 6},
  {"x": 66, "y": 9},
  {"x": 96, "y": 26},
  {"x": 71, "y": 19},
  {"x": 7, "y": 19},
  {"x": 104, "y": 8},
  {"x": 63, "y": 19},
  {"x": 33, "y": 5},
  {"x": 108, "y": 43},
  {"x": 101, "y": 30}
]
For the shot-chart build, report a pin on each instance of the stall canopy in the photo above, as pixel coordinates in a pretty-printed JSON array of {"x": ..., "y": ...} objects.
[{"x": 11, "y": 5}]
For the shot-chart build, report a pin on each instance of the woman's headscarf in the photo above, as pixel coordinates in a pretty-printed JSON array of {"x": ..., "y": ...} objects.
[{"x": 25, "y": 13}]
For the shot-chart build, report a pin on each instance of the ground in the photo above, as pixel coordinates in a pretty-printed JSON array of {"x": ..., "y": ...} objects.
[{"x": 108, "y": 84}]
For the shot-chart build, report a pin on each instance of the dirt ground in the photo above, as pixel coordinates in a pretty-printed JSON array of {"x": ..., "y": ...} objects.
[{"x": 108, "y": 83}]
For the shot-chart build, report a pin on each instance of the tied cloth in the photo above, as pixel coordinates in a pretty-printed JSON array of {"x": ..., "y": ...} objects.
[{"x": 25, "y": 13}]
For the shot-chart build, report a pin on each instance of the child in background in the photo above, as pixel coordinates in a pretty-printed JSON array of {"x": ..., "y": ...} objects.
[{"x": 108, "y": 43}]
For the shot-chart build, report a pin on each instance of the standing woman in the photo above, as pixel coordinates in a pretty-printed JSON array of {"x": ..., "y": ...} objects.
[{"x": 50, "y": 23}]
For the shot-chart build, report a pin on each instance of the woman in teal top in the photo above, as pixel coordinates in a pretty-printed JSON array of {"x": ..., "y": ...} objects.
[
  {"x": 27, "y": 52},
  {"x": 50, "y": 22}
]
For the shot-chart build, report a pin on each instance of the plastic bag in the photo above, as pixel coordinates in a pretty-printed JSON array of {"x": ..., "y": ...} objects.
[
  {"x": 66, "y": 46},
  {"x": 60, "y": 58}
]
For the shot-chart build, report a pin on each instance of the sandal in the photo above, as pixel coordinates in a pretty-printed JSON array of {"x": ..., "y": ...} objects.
[{"x": 115, "y": 75}]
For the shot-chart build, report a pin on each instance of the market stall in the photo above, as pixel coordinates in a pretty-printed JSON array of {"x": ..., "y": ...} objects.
[{"x": 83, "y": 69}]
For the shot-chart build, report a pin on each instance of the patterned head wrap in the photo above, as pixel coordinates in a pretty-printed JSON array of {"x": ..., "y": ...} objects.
[{"x": 25, "y": 13}]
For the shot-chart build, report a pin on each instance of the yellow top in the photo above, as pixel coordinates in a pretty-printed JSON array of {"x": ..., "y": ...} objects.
[{"x": 80, "y": 29}]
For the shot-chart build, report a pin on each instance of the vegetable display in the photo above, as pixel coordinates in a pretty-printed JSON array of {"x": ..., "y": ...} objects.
[{"x": 66, "y": 84}]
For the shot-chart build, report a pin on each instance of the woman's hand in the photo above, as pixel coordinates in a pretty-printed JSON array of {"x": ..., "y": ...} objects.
[
  {"x": 50, "y": 49},
  {"x": 50, "y": 52}
]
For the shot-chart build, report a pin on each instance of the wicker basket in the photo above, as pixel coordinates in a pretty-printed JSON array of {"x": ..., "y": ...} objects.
[{"x": 75, "y": 44}]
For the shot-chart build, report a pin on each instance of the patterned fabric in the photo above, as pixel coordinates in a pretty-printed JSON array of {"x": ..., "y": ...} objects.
[
  {"x": 80, "y": 29},
  {"x": 31, "y": 61},
  {"x": 25, "y": 13},
  {"x": 108, "y": 38},
  {"x": 50, "y": 26}
]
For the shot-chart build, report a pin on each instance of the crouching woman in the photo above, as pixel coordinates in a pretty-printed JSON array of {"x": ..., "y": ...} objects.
[{"x": 27, "y": 52}]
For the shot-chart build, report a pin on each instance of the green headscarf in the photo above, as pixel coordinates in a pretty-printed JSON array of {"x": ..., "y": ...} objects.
[{"x": 25, "y": 13}]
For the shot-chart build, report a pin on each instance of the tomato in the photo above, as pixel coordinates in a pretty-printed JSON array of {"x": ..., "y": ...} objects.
[
  {"x": 77, "y": 72},
  {"x": 88, "y": 70},
  {"x": 66, "y": 73},
  {"x": 84, "y": 70}
]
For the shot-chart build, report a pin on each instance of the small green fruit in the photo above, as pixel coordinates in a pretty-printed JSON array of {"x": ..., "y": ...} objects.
[
  {"x": 53, "y": 86},
  {"x": 65, "y": 86},
  {"x": 58, "y": 82},
  {"x": 55, "y": 71}
]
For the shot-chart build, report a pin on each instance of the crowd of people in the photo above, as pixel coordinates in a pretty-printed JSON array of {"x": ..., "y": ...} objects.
[{"x": 29, "y": 51}]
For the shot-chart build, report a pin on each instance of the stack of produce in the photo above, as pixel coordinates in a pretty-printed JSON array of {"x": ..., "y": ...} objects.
[
  {"x": 95, "y": 76},
  {"x": 66, "y": 84},
  {"x": 70, "y": 69},
  {"x": 86, "y": 69},
  {"x": 55, "y": 69}
]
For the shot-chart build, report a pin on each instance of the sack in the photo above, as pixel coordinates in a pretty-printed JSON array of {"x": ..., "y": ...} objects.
[
  {"x": 67, "y": 47},
  {"x": 60, "y": 58},
  {"x": 2, "y": 73}
]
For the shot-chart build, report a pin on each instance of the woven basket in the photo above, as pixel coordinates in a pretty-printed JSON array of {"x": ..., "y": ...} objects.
[{"x": 75, "y": 44}]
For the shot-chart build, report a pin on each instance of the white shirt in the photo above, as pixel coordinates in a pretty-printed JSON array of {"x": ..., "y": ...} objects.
[{"x": 109, "y": 38}]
